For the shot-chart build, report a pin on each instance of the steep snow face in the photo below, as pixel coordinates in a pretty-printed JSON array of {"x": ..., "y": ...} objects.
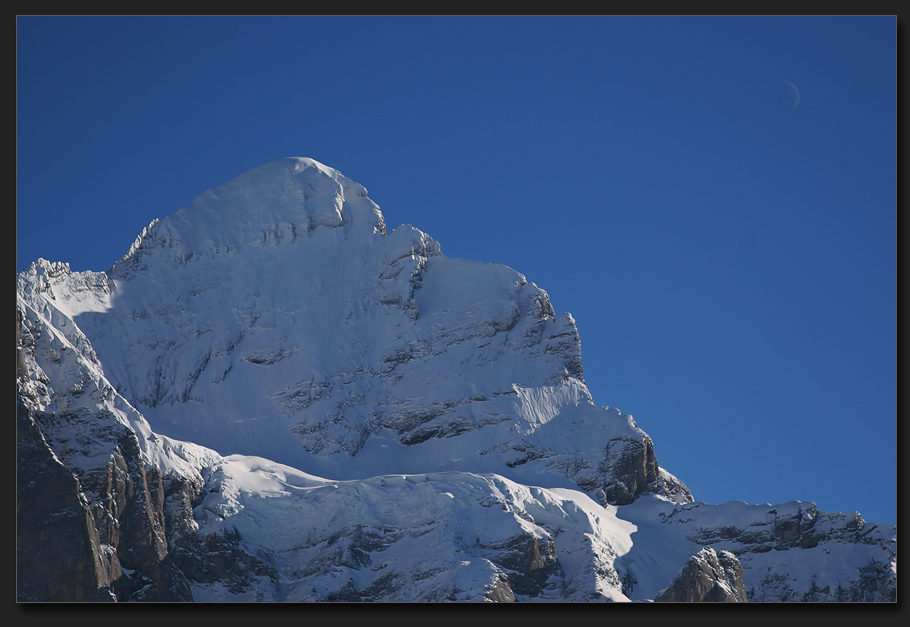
[
  {"x": 274, "y": 203},
  {"x": 60, "y": 375},
  {"x": 275, "y": 317}
]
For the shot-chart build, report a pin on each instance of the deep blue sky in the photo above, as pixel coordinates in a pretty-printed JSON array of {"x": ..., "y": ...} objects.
[{"x": 730, "y": 260}]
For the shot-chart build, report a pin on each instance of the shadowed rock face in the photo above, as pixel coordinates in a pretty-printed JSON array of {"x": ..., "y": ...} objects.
[
  {"x": 709, "y": 576},
  {"x": 69, "y": 549},
  {"x": 629, "y": 470},
  {"x": 58, "y": 554},
  {"x": 114, "y": 548}
]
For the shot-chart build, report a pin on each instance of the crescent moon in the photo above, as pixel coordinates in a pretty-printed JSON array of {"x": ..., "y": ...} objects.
[{"x": 794, "y": 95}]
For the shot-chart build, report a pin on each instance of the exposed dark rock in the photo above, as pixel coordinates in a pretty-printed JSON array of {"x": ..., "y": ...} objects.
[
  {"x": 629, "y": 470},
  {"x": 782, "y": 531},
  {"x": 72, "y": 548},
  {"x": 59, "y": 555},
  {"x": 796, "y": 529},
  {"x": 219, "y": 557},
  {"x": 709, "y": 576},
  {"x": 133, "y": 539},
  {"x": 633, "y": 467},
  {"x": 528, "y": 564}
]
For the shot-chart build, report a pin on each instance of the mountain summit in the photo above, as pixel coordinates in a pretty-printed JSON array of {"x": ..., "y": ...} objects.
[
  {"x": 271, "y": 397},
  {"x": 278, "y": 202}
]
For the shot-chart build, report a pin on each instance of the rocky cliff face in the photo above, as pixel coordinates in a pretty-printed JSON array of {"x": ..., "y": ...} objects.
[
  {"x": 71, "y": 548},
  {"x": 708, "y": 576},
  {"x": 59, "y": 555},
  {"x": 271, "y": 397},
  {"x": 96, "y": 521},
  {"x": 851, "y": 559}
]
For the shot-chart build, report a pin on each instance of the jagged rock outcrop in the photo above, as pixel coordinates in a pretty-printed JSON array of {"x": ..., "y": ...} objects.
[
  {"x": 633, "y": 471},
  {"x": 95, "y": 521},
  {"x": 58, "y": 553},
  {"x": 855, "y": 560},
  {"x": 79, "y": 543},
  {"x": 709, "y": 576},
  {"x": 117, "y": 532},
  {"x": 795, "y": 525}
]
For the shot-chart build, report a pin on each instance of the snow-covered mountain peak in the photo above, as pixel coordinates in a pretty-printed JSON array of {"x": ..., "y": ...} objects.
[
  {"x": 288, "y": 404},
  {"x": 274, "y": 317},
  {"x": 276, "y": 203}
]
